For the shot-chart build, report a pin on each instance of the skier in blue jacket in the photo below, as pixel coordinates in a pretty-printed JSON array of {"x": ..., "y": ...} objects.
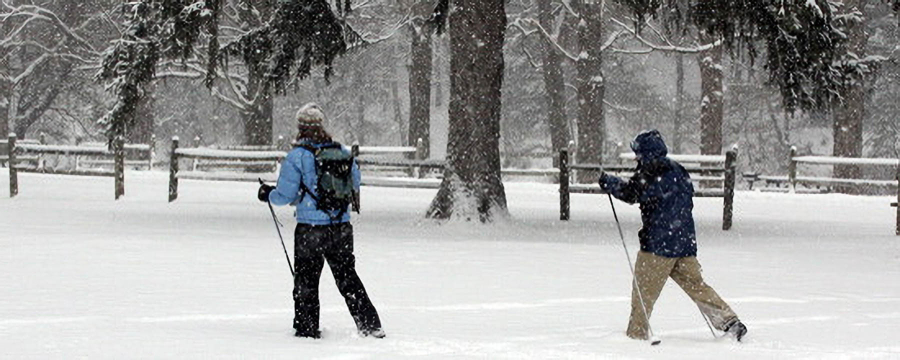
[
  {"x": 668, "y": 239},
  {"x": 320, "y": 235}
]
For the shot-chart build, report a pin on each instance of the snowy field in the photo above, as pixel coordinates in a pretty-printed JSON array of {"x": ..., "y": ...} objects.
[{"x": 83, "y": 276}]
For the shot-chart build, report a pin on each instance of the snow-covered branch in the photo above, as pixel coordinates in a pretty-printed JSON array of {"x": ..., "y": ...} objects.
[
  {"x": 232, "y": 102},
  {"x": 650, "y": 46},
  {"x": 35, "y": 12}
]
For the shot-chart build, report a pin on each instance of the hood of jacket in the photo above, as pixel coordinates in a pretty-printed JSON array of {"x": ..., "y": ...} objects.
[{"x": 649, "y": 145}]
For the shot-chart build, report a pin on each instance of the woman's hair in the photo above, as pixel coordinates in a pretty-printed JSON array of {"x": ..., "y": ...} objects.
[{"x": 315, "y": 134}]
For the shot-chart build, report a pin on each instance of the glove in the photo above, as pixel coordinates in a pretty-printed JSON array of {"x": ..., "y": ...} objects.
[
  {"x": 264, "y": 191},
  {"x": 603, "y": 179}
]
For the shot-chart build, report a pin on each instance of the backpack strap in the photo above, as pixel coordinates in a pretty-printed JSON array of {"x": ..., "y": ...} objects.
[{"x": 303, "y": 189}]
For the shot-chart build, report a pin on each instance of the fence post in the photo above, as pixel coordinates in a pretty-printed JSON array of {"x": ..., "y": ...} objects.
[
  {"x": 792, "y": 170},
  {"x": 197, "y": 143},
  {"x": 13, "y": 173},
  {"x": 152, "y": 152},
  {"x": 42, "y": 138},
  {"x": 119, "y": 158},
  {"x": 730, "y": 175},
  {"x": 563, "y": 185},
  {"x": 173, "y": 170}
]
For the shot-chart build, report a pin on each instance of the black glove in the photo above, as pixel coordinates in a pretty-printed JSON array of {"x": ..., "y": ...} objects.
[
  {"x": 264, "y": 191},
  {"x": 603, "y": 178}
]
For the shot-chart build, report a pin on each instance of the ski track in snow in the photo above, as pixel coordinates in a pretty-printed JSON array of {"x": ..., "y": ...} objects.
[{"x": 813, "y": 277}]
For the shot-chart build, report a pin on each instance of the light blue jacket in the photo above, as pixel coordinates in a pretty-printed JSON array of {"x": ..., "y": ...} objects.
[{"x": 300, "y": 165}]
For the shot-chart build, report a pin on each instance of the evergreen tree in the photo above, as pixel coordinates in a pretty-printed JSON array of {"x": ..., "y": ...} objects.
[{"x": 802, "y": 39}]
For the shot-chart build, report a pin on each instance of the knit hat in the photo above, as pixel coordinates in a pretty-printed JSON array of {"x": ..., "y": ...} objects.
[{"x": 310, "y": 116}]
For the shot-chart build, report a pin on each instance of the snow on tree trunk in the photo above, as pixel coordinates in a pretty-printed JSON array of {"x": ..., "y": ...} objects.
[
  {"x": 711, "y": 99},
  {"x": 591, "y": 87},
  {"x": 849, "y": 114},
  {"x": 420, "y": 79},
  {"x": 554, "y": 86},
  {"x": 472, "y": 187}
]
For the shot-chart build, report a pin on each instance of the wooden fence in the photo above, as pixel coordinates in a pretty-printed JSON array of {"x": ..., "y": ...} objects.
[
  {"x": 411, "y": 166},
  {"x": 117, "y": 153},
  {"x": 793, "y": 179},
  {"x": 241, "y": 165},
  {"x": 709, "y": 168},
  {"x": 237, "y": 157},
  {"x": 137, "y": 156},
  {"x": 4, "y": 151}
]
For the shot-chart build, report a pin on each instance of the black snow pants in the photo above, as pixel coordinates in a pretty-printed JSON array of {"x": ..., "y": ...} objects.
[{"x": 313, "y": 245}]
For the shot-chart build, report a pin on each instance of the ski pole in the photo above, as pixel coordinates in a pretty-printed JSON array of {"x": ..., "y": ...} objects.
[
  {"x": 653, "y": 339},
  {"x": 278, "y": 228},
  {"x": 708, "y": 323}
]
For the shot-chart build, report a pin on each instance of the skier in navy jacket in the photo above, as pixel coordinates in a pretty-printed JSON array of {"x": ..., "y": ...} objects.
[
  {"x": 668, "y": 239},
  {"x": 320, "y": 235}
]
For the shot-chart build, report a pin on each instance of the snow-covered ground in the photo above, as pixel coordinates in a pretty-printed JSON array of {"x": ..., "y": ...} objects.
[{"x": 83, "y": 276}]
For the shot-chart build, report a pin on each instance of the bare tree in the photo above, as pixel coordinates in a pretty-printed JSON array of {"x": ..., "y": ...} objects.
[{"x": 43, "y": 50}]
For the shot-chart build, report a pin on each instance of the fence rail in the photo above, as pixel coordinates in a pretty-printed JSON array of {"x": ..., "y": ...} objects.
[
  {"x": 245, "y": 157},
  {"x": 794, "y": 180},
  {"x": 118, "y": 153}
]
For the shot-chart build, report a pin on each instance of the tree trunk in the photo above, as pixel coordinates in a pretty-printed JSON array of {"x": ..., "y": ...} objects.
[
  {"x": 420, "y": 79},
  {"x": 362, "y": 128},
  {"x": 4, "y": 122},
  {"x": 6, "y": 92},
  {"x": 258, "y": 122},
  {"x": 398, "y": 109},
  {"x": 257, "y": 118},
  {"x": 554, "y": 86},
  {"x": 591, "y": 88},
  {"x": 712, "y": 99},
  {"x": 472, "y": 187},
  {"x": 848, "y": 116},
  {"x": 142, "y": 130},
  {"x": 678, "y": 126}
]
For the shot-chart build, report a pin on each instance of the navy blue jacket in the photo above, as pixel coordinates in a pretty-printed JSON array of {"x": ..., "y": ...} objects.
[{"x": 665, "y": 193}]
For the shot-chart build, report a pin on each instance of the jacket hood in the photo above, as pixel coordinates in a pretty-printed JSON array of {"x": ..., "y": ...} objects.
[{"x": 649, "y": 145}]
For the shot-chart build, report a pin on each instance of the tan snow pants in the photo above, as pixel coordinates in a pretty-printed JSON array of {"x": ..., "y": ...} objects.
[{"x": 652, "y": 271}]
